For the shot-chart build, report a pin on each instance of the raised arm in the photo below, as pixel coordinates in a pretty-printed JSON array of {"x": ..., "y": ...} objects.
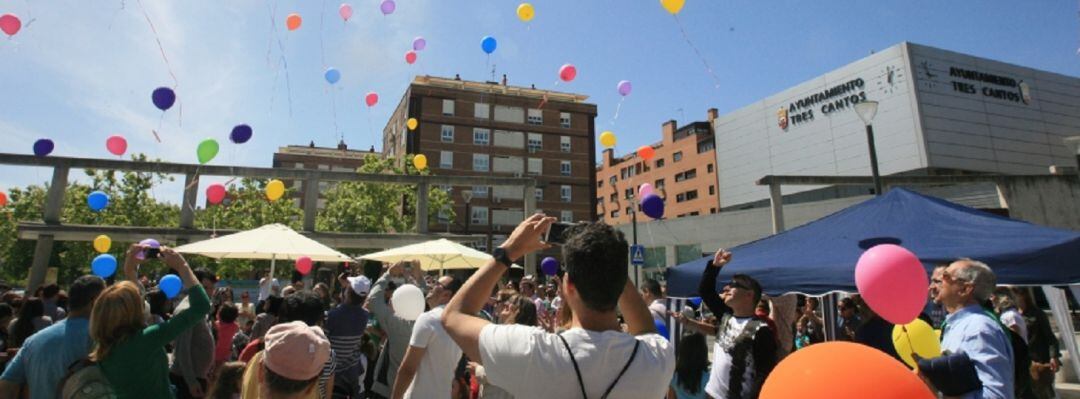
[
  {"x": 199, "y": 302},
  {"x": 707, "y": 287},
  {"x": 638, "y": 318},
  {"x": 131, "y": 265},
  {"x": 458, "y": 318}
]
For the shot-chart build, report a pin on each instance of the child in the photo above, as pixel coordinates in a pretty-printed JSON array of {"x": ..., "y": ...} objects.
[
  {"x": 225, "y": 328},
  {"x": 227, "y": 381}
]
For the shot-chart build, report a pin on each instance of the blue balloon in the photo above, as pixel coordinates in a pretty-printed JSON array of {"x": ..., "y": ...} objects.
[
  {"x": 103, "y": 265},
  {"x": 240, "y": 134},
  {"x": 696, "y": 301},
  {"x": 653, "y": 206},
  {"x": 97, "y": 200},
  {"x": 170, "y": 285},
  {"x": 661, "y": 328},
  {"x": 550, "y": 266},
  {"x": 43, "y": 147},
  {"x": 332, "y": 75},
  {"x": 488, "y": 44},
  {"x": 163, "y": 98}
]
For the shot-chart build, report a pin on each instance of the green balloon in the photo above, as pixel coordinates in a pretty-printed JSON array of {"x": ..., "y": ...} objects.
[{"x": 208, "y": 149}]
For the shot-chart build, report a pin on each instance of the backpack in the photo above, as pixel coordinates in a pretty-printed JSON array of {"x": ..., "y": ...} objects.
[{"x": 85, "y": 380}]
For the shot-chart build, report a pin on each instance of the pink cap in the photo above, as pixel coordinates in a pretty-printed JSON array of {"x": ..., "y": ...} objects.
[{"x": 296, "y": 351}]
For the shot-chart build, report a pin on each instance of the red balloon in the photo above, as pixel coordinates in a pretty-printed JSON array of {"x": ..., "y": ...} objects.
[
  {"x": 215, "y": 193},
  {"x": 410, "y": 57},
  {"x": 825, "y": 370},
  {"x": 646, "y": 152},
  {"x": 371, "y": 99},
  {"x": 10, "y": 24},
  {"x": 568, "y": 72},
  {"x": 117, "y": 145},
  {"x": 3, "y": 199},
  {"x": 303, "y": 265}
]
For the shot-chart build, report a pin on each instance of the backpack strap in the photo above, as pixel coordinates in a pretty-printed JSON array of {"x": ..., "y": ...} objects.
[
  {"x": 577, "y": 370},
  {"x": 633, "y": 354}
]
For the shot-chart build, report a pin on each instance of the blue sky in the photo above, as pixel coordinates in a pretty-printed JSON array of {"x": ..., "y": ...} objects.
[{"x": 84, "y": 70}]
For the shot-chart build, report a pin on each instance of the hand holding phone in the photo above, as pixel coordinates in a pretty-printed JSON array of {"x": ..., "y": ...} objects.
[{"x": 556, "y": 234}]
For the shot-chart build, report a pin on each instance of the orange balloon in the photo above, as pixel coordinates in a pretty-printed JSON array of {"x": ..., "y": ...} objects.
[
  {"x": 646, "y": 152},
  {"x": 842, "y": 370},
  {"x": 293, "y": 21}
]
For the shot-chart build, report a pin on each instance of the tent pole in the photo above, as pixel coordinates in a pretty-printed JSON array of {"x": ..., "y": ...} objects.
[{"x": 273, "y": 259}]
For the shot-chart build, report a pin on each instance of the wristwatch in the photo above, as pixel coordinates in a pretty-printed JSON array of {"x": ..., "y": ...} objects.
[{"x": 501, "y": 257}]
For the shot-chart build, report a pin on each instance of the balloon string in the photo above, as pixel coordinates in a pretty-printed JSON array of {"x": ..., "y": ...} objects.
[
  {"x": 322, "y": 50},
  {"x": 161, "y": 48},
  {"x": 696, "y": 51},
  {"x": 617, "y": 109},
  {"x": 333, "y": 111}
]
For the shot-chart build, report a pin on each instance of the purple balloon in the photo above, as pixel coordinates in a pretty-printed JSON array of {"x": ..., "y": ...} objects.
[
  {"x": 387, "y": 7},
  {"x": 653, "y": 206},
  {"x": 163, "y": 98},
  {"x": 149, "y": 242},
  {"x": 240, "y": 134},
  {"x": 419, "y": 43},
  {"x": 550, "y": 266},
  {"x": 43, "y": 147},
  {"x": 625, "y": 88}
]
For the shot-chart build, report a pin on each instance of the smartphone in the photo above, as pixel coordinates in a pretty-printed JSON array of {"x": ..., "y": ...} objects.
[
  {"x": 556, "y": 234},
  {"x": 152, "y": 253}
]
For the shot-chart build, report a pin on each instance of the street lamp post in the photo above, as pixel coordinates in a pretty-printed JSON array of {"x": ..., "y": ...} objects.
[
  {"x": 467, "y": 195},
  {"x": 867, "y": 110},
  {"x": 633, "y": 217}
]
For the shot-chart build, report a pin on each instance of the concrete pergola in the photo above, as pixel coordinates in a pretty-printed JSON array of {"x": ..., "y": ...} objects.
[{"x": 50, "y": 229}]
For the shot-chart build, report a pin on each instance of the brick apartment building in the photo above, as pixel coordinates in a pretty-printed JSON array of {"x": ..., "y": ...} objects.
[
  {"x": 491, "y": 128},
  {"x": 683, "y": 172},
  {"x": 321, "y": 158}
]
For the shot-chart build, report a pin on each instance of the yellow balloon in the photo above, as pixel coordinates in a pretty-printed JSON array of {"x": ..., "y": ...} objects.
[
  {"x": 526, "y": 12},
  {"x": 274, "y": 190},
  {"x": 411, "y": 123},
  {"x": 102, "y": 243},
  {"x": 420, "y": 161},
  {"x": 673, "y": 6},
  {"x": 607, "y": 139},
  {"x": 920, "y": 336}
]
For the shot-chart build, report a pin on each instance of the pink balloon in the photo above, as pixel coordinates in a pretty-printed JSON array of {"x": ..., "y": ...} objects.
[
  {"x": 303, "y": 265},
  {"x": 568, "y": 72},
  {"x": 371, "y": 99},
  {"x": 10, "y": 24},
  {"x": 893, "y": 282},
  {"x": 345, "y": 10},
  {"x": 644, "y": 190},
  {"x": 410, "y": 57},
  {"x": 215, "y": 193},
  {"x": 117, "y": 145}
]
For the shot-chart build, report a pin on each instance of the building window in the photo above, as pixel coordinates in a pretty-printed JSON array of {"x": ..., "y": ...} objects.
[
  {"x": 613, "y": 180},
  {"x": 536, "y": 117},
  {"x": 705, "y": 146},
  {"x": 680, "y": 197},
  {"x": 536, "y": 166},
  {"x": 676, "y": 157},
  {"x": 709, "y": 168},
  {"x": 479, "y": 215},
  {"x": 448, "y": 107},
  {"x": 565, "y": 193},
  {"x": 694, "y": 213},
  {"x": 712, "y": 190},
  {"x": 480, "y": 191},
  {"x": 687, "y": 196},
  {"x": 658, "y": 184},
  {"x": 444, "y": 215},
  {"x": 614, "y": 198},
  {"x": 446, "y": 159},
  {"x": 539, "y": 194},
  {"x": 628, "y": 210},
  {"x": 615, "y": 213},
  {"x": 536, "y": 142},
  {"x": 481, "y": 136},
  {"x": 628, "y": 193},
  {"x": 482, "y": 111},
  {"x": 712, "y": 210},
  {"x": 660, "y": 163},
  {"x": 564, "y": 119},
  {"x": 687, "y": 175},
  {"x": 566, "y": 216},
  {"x": 564, "y": 143},
  {"x": 599, "y": 184},
  {"x": 481, "y": 162},
  {"x": 447, "y": 134},
  {"x": 564, "y": 168},
  {"x": 600, "y": 201},
  {"x": 622, "y": 173}
]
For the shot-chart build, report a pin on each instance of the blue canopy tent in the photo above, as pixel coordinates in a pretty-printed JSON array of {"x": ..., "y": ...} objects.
[{"x": 820, "y": 257}]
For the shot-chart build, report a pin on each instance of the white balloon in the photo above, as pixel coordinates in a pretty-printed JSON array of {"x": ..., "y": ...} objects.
[{"x": 408, "y": 302}]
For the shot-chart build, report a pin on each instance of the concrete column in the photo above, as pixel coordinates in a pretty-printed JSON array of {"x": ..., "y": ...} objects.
[
  {"x": 187, "y": 207},
  {"x": 422, "y": 208},
  {"x": 776, "y": 202},
  {"x": 529, "y": 201},
  {"x": 54, "y": 200},
  {"x": 669, "y": 256},
  {"x": 311, "y": 202},
  {"x": 42, "y": 253}
]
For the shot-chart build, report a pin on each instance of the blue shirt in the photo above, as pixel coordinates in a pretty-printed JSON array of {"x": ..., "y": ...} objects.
[
  {"x": 345, "y": 326},
  {"x": 44, "y": 358},
  {"x": 971, "y": 331},
  {"x": 681, "y": 393}
]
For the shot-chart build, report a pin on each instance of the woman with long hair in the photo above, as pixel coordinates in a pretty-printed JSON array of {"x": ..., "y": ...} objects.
[
  {"x": 691, "y": 369},
  {"x": 132, "y": 356},
  {"x": 31, "y": 320}
]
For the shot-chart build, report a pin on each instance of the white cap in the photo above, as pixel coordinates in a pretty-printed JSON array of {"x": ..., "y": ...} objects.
[{"x": 361, "y": 285}]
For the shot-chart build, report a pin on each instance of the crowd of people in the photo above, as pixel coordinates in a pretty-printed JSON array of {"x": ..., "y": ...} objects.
[{"x": 585, "y": 332}]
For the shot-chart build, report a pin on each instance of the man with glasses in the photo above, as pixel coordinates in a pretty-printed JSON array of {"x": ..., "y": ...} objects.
[
  {"x": 849, "y": 319},
  {"x": 968, "y": 329},
  {"x": 745, "y": 349}
]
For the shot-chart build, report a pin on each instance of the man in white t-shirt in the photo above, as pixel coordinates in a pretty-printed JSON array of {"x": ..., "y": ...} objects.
[
  {"x": 594, "y": 358},
  {"x": 653, "y": 295},
  {"x": 427, "y": 371}
]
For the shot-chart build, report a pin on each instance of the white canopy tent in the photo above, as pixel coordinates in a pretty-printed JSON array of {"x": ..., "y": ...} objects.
[
  {"x": 271, "y": 242},
  {"x": 441, "y": 254}
]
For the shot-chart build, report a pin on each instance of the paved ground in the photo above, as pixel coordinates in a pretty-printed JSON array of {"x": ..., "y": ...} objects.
[{"x": 1068, "y": 391}]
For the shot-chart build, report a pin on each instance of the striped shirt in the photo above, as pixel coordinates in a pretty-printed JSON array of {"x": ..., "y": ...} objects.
[{"x": 345, "y": 326}]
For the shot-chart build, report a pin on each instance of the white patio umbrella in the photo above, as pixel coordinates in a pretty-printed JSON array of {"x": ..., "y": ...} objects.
[
  {"x": 441, "y": 254},
  {"x": 273, "y": 242}
]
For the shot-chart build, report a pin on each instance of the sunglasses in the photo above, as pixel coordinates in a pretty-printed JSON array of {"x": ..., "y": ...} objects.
[{"x": 736, "y": 284}]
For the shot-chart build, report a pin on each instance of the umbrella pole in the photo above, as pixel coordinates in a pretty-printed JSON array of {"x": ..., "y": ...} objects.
[{"x": 273, "y": 259}]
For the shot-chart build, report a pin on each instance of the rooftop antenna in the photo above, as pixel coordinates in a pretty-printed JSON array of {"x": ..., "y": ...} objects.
[{"x": 493, "y": 71}]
